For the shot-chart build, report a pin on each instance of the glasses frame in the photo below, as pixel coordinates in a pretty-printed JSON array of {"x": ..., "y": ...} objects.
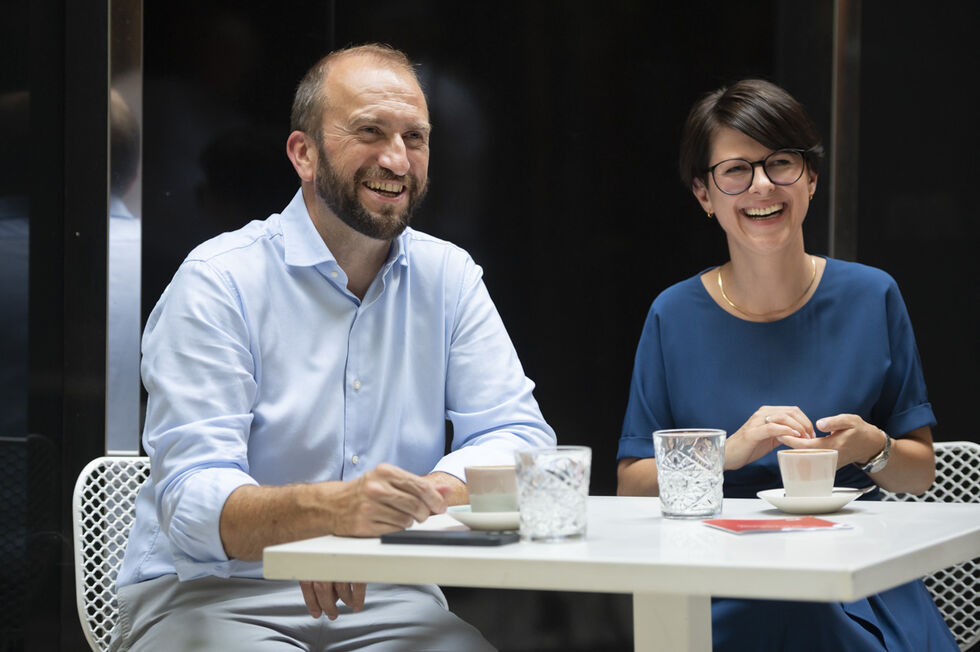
[{"x": 753, "y": 164}]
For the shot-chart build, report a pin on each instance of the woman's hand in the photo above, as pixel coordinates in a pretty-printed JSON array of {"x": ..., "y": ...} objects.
[
  {"x": 769, "y": 427},
  {"x": 854, "y": 439}
]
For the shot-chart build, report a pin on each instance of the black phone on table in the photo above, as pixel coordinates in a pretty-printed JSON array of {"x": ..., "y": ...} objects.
[{"x": 451, "y": 537}]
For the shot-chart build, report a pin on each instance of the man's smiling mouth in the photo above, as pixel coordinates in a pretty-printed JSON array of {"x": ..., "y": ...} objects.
[{"x": 389, "y": 189}]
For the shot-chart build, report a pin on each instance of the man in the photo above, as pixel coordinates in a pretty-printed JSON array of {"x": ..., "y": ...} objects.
[{"x": 287, "y": 359}]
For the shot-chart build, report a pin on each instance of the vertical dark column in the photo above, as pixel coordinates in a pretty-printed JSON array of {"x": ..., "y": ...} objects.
[
  {"x": 804, "y": 50},
  {"x": 46, "y": 80},
  {"x": 85, "y": 228},
  {"x": 917, "y": 197},
  {"x": 846, "y": 101},
  {"x": 84, "y": 281}
]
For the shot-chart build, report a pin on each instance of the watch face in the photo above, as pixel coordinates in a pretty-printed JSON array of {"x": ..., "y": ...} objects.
[{"x": 879, "y": 461}]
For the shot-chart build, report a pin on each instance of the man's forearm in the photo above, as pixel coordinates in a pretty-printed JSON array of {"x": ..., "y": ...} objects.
[
  {"x": 384, "y": 499},
  {"x": 254, "y": 517}
]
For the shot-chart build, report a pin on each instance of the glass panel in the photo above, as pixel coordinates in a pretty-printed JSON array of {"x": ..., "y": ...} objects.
[
  {"x": 14, "y": 219},
  {"x": 14, "y": 259},
  {"x": 125, "y": 227}
]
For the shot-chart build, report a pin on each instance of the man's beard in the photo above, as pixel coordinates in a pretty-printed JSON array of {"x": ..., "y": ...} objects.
[{"x": 340, "y": 196}]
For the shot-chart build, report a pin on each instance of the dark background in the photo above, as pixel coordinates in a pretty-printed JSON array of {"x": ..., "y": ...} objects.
[
  {"x": 553, "y": 162},
  {"x": 556, "y": 128},
  {"x": 554, "y": 150}
]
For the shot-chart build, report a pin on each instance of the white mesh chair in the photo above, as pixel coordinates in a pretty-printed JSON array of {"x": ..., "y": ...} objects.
[
  {"x": 102, "y": 514},
  {"x": 956, "y": 589}
]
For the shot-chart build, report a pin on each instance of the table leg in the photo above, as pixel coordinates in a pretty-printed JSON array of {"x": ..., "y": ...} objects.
[{"x": 671, "y": 622}]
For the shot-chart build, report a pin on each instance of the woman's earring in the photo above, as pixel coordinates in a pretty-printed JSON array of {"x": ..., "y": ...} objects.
[
  {"x": 811, "y": 196},
  {"x": 710, "y": 215}
]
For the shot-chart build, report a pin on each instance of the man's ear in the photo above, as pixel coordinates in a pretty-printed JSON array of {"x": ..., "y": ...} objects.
[
  {"x": 701, "y": 194},
  {"x": 302, "y": 153}
]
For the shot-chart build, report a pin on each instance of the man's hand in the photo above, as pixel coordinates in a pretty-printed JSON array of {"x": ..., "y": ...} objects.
[
  {"x": 321, "y": 597},
  {"x": 386, "y": 499},
  {"x": 382, "y": 500}
]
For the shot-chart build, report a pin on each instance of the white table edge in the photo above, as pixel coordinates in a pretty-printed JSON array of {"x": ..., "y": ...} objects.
[{"x": 671, "y": 605}]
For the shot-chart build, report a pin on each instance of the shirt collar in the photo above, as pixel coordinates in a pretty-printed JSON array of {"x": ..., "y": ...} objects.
[
  {"x": 303, "y": 245},
  {"x": 399, "y": 250},
  {"x": 305, "y": 248}
]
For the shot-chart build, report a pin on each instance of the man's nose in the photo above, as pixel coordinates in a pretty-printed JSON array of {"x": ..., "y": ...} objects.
[{"x": 394, "y": 156}]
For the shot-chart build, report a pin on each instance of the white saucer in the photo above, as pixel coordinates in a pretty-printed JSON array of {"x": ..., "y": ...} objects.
[
  {"x": 807, "y": 505},
  {"x": 485, "y": 520}
]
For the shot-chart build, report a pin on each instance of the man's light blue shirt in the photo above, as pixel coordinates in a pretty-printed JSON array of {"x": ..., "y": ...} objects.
[{"x": 262, "y": 368}]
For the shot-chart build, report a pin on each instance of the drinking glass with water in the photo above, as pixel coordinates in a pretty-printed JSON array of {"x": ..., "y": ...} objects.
[{"x": 690, "y": 471}]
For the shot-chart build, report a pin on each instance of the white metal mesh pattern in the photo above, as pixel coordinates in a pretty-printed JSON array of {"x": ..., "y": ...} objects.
[
  {"x": 103, "y": 514},
  {"x": 957, "y": 475},
  {"x": 956, "y": 589}
]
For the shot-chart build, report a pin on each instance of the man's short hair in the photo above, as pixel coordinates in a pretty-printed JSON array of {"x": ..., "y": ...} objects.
[{"x": 310, "y": 101}]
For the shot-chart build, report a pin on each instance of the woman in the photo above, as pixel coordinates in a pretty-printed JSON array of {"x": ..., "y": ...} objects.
[{"x": 781, "y": 347}]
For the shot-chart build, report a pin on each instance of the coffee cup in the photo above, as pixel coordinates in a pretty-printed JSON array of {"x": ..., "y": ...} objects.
[
  {"x": 807, "y": 472},
  {"x": 492, "y": 488}
]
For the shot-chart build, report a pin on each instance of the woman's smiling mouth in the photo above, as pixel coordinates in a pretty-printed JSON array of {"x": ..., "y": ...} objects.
[{"x": 765, "y": 212}]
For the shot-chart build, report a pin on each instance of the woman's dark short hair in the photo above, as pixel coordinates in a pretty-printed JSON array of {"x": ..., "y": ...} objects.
[{"x": 757, "y": 108}]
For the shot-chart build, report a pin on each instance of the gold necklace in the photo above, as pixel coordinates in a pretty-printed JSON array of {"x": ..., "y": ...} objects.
[{"x": 813, "y": 276}]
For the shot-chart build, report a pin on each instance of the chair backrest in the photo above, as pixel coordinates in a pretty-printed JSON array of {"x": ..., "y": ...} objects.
[
  {"x": 956, "y": 589},
  {"x": 102, "y": 514},
  {"x": 957, "y": 475}
]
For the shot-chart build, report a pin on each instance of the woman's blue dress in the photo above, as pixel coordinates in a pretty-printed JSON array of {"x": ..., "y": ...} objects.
[{"x": 849, "y": 349}]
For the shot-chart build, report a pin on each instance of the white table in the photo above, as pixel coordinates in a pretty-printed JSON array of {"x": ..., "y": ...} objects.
[{"x": 672, "y": 568}]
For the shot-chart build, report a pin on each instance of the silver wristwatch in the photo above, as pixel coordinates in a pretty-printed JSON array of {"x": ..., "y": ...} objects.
[{"x": 879, "y": 461}]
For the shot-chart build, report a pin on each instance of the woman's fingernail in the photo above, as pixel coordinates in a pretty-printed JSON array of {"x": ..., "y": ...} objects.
[{"x": 821, "y": 424}]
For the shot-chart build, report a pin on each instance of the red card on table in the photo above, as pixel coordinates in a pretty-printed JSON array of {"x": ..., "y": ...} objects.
[{"x": 749, "y": 526}]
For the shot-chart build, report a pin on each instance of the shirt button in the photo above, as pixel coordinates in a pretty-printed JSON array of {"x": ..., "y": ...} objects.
[
  {"x": 357, "y": 384},
  {"x": 333, "y": 274},
  {"x": 355, "y": 459}
]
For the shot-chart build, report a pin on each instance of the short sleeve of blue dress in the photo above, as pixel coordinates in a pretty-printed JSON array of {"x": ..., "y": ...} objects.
[{"x": 850, "y": 349}]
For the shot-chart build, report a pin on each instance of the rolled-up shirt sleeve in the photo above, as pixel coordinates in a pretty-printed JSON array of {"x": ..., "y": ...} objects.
[
  {"x": 489, "y": 399},
  {"x": 200, "y": 377}
]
